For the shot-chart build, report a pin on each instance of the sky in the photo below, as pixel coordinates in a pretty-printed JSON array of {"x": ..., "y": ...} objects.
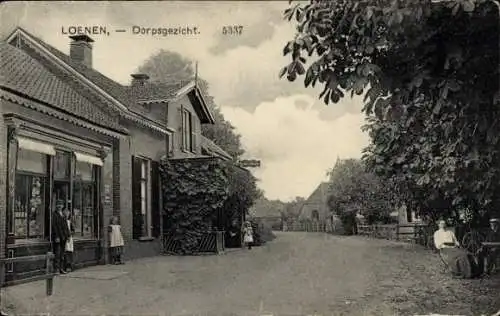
[{"x": 294, "y": 134}]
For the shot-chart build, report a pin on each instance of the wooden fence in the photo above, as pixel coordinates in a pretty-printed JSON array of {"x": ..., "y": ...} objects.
[
  {"x": 48, "y": 276},
  {"x": 209, "y": 242},
  {"x": 415, "y": 233},
  {"x": 305, "y": 227}
]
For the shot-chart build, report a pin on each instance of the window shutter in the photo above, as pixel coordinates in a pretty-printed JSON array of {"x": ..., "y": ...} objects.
[
  {"x": 155, "y": 199},
  {"x": 194, "y": 140},
  {"x": 136, "y": 198}
]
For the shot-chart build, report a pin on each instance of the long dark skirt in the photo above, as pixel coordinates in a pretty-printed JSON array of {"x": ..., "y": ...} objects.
[{"x": 460, "y": 262}]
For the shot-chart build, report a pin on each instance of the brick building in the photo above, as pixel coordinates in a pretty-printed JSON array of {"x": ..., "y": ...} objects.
[{"x": 69, "y": 132}]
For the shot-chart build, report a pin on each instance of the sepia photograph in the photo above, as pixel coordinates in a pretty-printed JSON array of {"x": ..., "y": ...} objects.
[{"x": 250, "y": 158}]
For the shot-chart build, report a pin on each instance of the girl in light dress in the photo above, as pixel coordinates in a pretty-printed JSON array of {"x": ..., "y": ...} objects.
[
  {"x": 116, "y": 242},
  {"x": 248, "y": 234}
]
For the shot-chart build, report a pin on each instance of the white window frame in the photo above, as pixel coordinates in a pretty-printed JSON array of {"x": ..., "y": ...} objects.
[{"x": 146, "y": 180}]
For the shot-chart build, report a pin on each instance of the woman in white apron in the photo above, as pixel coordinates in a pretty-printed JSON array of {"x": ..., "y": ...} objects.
[{"x": 68, "y": 248}]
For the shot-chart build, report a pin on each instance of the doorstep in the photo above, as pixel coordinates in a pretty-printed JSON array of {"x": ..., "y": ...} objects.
[
  {"x": 235, "y": 250},
  {"x": 94, "y": 275}
]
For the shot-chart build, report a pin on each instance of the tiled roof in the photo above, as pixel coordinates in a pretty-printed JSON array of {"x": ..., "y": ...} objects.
[
  {"x": 127, "y": 95},
  {"x": 153, "y": 92},
  {"x": 213, "y": 149},
  {"x": 23, "y": 74},
  {"x": 112, "y": 87}
]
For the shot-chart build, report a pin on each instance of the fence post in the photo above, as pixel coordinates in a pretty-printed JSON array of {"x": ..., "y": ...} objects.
[
  {"x": 50, "y": 280},
  {"x": 415, "y": 233},
  {"x": 397, "y": 231}
]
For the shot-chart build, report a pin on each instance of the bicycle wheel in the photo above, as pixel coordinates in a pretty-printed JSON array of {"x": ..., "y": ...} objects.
[{"x": 472, "y": 241}]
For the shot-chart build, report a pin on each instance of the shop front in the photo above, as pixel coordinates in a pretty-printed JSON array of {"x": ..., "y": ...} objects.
[{"x": 46, "y": 165}]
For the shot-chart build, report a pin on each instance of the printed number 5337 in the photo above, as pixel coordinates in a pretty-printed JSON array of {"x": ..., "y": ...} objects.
[{"x": 232, "y": 30}]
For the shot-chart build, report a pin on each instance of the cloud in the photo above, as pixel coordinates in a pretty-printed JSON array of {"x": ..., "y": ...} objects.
[
  {"x": 296, "y": 136},
  {"x": 296, "y": 147}
]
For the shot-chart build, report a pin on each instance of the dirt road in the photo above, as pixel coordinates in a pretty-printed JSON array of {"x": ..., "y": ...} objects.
[{"x": 296, "y": 274}]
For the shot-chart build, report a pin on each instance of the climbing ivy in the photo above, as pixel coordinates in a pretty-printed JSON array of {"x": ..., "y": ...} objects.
[{"x": 193, "y": 191}]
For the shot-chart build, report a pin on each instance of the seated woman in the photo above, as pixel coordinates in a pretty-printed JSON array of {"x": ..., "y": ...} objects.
[{"x": 459, "y": 261}]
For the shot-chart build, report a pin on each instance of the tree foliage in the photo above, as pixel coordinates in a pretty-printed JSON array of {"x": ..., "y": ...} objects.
[
  {"x": 355, "y": 190},
  {"x": 266, "y": 207},
  {"x": 243, "y": 193},
  {"x": 292, "y": 209},
  {"x": 429, "y": 75}
]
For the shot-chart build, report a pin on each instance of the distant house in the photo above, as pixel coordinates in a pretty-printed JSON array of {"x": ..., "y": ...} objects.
[
  {"x": 315, "y": 208},
  {"x": 70, "y": 133},
  {"x": 268, "y": 212}
]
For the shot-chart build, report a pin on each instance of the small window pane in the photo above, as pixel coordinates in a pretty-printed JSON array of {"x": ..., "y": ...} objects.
[
  {"x": 88, "y": 210},
  {"x": 31, "y": 161},
  {"x": 77, "y": 208},
  {"x": 29, "y": 208},
  {"x": 143, "y": 189},
  {"x": 143, "y": 206},
  {"x": 143, "y": 169},
  {"x": 61, "y": 165},
  {"x": 21, "y": 206},
  {"x": 83, "y": 171}
]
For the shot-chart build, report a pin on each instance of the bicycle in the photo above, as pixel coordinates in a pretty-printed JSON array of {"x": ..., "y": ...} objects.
[{"x": 472, "y": 240}]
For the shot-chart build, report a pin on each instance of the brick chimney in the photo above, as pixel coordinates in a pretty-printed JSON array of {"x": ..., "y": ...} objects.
[
  {"x": 139, "y": 79},
  {"x": 81, "y": 49}
]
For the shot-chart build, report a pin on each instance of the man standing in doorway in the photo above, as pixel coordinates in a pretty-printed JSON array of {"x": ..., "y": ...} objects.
[{"x": 60, "y": 234}]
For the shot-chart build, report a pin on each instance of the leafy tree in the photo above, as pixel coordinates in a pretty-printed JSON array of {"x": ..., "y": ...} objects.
[
  {"x": 291, "y": 211},
  {"x": 243, "y": 193},
  {"x": 355, "y": 190},
  {"x": 430, "y": 78},
  {"x": 265, "y": 207}
]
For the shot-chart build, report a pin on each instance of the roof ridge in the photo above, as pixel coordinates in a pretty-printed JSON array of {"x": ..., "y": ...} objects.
[
  {"x": 108, "y": 89},
  {"x": 27, "y": 77}
]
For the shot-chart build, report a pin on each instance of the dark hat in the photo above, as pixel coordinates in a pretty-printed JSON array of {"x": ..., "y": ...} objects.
[{"x": 60, "y": 202}]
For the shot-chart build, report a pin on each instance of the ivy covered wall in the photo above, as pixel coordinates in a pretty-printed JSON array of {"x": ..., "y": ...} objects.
[{"x": 194, "y": 191}]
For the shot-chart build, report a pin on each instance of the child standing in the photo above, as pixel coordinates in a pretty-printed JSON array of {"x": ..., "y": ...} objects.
[
  {"x": 68, "y": 248},
  {"x": 115, "y": 241},
  {"x": 248, "y": 234}
]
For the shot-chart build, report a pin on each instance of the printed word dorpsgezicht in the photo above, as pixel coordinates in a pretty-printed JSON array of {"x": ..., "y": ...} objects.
[{"x": 166, "y": 31}]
